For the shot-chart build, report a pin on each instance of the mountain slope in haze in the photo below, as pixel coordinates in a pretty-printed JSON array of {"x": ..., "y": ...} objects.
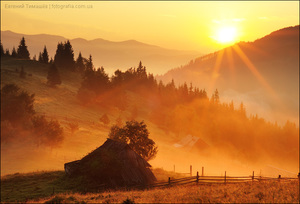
[
  {"x": 111, "y": 55},
  {"x": 264, "y": 74}
]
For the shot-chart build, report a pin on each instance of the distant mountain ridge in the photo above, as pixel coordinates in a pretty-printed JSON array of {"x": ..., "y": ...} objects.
[
  {"x": 241, "y": 72},
  {"x": 109, "y": 54}
]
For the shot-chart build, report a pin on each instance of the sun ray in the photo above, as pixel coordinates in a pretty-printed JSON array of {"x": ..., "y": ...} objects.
[
  {"x": 215, "y": 72},
  {"x": 255, "y": 72},
  {"x": 231, "y": 63}
]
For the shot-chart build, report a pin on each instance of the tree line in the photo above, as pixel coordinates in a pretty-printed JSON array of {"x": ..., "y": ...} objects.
[
  {"x": 182, "y": 109},
  {"x": 19, "y": 119}
]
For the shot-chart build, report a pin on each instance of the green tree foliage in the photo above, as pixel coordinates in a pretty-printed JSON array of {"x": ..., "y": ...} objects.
[
  {"x": 14, "y": 52},
  {"x": 64, "y": 56},
  {"x": 45, "y": 56},
  {"x": 16, "y": 105},
  {"x": 136, "y": 135},
  {"x": 22, "y": 50},
  {"x": 53, "y": 77}
]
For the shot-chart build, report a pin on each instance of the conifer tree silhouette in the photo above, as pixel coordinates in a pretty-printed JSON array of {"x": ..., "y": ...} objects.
[{"x": 22, "y": 50}]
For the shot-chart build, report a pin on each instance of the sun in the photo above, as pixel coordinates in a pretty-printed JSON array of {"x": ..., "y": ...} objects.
[{"x": 226, "y": 35}]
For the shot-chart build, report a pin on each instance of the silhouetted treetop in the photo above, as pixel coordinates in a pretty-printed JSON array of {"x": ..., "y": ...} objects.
[
  {"x": 45, "y": 56},
  {"x": 2, "y": 50},
  {"x": 64, "y": 56},
  {"x": 14, "y": 52},
  {"x": 79, "y": 65},
  {"x": 22, "y": 50}
]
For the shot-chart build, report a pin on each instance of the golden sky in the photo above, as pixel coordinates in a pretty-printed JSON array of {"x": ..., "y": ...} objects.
[{"x": 180, "y": 25}]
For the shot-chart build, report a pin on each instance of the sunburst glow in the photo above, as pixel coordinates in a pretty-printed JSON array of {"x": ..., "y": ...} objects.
[{"x": 226, "y": 35}]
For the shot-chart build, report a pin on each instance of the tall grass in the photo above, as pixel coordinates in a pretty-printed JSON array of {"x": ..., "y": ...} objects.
[
  {"x": 50, "y": 187},
  {"x": 257, "y": 192}
]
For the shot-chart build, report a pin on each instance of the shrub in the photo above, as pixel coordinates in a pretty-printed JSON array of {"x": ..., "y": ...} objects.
[
  {"x": 16, "y": 105},
  {"x": 47, "y": 132}
]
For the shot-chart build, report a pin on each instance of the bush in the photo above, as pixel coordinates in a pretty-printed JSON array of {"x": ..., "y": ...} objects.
[
  {"x": 16, "y": 105},
  {"x": 47, "y": 132}
]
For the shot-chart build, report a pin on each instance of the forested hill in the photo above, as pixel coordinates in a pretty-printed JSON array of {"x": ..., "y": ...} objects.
[
  {"x": 69, "y": 105},
  {"x": 112, "y": 55},
  {"x": 251, "y": 70}
]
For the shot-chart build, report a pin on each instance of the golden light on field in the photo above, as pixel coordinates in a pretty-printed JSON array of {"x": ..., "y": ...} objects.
[{"x": 226, "y": 35}]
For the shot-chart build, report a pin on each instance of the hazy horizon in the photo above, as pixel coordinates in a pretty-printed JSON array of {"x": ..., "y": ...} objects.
[{"x": 172, "y": 25}]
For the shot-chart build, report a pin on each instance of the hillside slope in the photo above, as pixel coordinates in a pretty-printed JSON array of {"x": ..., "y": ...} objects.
[
  {"x": 111, "y": 55},
  {"x": 223, "y": 138},
  {"x": 264, "y": 74},
  {"x": 61, "y": 104}
]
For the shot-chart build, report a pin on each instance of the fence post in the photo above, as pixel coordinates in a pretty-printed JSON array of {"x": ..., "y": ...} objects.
[
  {"x": 225, "y": 178},
  {"x": 190, "y": 170},
  {"x": 299, "y": 176},
  {"x": 169, "y": 180},
  {"x": 279, "y": 177},
  {"x": 202, "y": 171},
  {"x": 253, "y": 176},
  {"x": 197, "y": 177}
]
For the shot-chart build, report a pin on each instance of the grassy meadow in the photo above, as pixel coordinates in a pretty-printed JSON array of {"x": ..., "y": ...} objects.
[{"x": 55, "y": 187}]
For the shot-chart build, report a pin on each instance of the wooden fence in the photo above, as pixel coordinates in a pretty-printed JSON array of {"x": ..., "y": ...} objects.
[{"x": 217, "y": 180}]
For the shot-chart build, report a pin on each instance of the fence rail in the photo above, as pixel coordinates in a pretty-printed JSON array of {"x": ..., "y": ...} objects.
[{"x": 215, "y": 180}]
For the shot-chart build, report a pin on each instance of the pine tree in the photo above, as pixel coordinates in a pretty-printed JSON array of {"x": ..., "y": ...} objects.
[
  {"x": 64, "y": 56},
  {"x": 59, "y": 55},
  {"x": 79, "y": 64},
  {"x": 53, "y": 76},
  {"x": 69, "y": 56},
  {"x": 45, "y": 56},
  {"x": 40, "y": 57},
  {"x": 7, "y": 52},
  {"x": 34, "y": 58},
  {"x": 22, "y": 50},
  {"x": 13, "y": 52},
  {"x": 2, "y": 50},
  {"x": 217, "y": 98},
  {"x": 89, "y": 64}
]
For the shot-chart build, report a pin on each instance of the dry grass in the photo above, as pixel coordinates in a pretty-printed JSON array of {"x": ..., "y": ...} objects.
[{"x": 257, "y": 192}]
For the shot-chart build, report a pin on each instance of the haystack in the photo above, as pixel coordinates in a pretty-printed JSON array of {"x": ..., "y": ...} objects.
[{"x": 113, "y": 163}]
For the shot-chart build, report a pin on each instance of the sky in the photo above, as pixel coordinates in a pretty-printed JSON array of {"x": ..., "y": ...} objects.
[{"x": 192, "y": 25}]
